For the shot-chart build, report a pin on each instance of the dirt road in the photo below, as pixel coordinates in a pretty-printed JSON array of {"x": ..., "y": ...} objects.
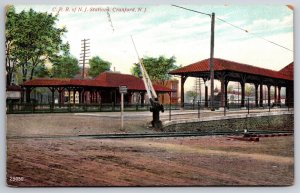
[{"x": 192, "y": 161}]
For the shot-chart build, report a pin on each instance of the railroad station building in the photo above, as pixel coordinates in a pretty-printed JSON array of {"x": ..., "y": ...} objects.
[
  {"x": 102, "y": 89},
  {"x": 226, "y": 71}
]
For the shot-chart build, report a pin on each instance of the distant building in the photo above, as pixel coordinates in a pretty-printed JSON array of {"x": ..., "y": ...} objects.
[{"x": 166, "y": 97}]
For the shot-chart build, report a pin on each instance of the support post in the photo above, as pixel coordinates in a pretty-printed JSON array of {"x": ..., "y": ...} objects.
[
  {"x": 69, "y": 96},
  {"x": 142, "y": 98},
  {"x": 226, "y": 93},
  {"x": 170, "y": 108},
  {"x": 261, "y": 104},
  {"x": 256, "y": 94},
  {"x": 286, "y": 95},
  {"x": 60, "y": 97},
  {"x": 74, "y": 92},
  {"x": 53, "y": 90},
  {"x": 206, "y": 96},
  {"x": 28, "y": 91},
  {"x": 183, "y": 79},
  {"x": 198, "y": 102},
  {"x": 100, "y": 98},
  {"x": 279, "y": 95},
  {"x": 222, "y": 80},
  {"x": 243, "y": 94},
  {"x": 122, "y": 109},
  {"x": 80, "y": 96},
  {"x": 269, "y": 95},
  {"x": 248, "y": 106},
  {"x": 275, "y": 95},
  {"x": 211, "y": 65},
  {"x": 22, "y": 94}
]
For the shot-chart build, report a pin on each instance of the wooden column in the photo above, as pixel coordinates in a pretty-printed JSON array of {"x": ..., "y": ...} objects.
[
  {"x": 142, "y": 98},
  {"x": 96, "y": 100},
  {"x": 52, "y": 90},
  {"x": 205, "y": 93},
  {"x": 222, "y": 98},
  {"x": 79, "y": 93},
  {"x": 60, "y": 90},
  {"x": 22, "y": 94},
  {"x": 206, "y": 96},
  {"x": 90, "y": 97},
  {"x": 183, "y": 79},
  {"x": 243, "y": 94},
  {"x": 226, "y": 95},
  {"x": 256, "y": 94},
  {"x": 261, "y": 103},
  {"x": 275, "y": 94},
  {"x": 82, "y": 101},
  {"x": 100, "y": 98},
  {"x": 27, "y": 93},
  {"x": 279, "y": 96},
  {"x": 243, "y": 82},
  {"x": 74, "y": 92},
  {"x": 129, "y": 95},
  {"x": 69, "y": 96},
  {"x": 269, "y": 95}
]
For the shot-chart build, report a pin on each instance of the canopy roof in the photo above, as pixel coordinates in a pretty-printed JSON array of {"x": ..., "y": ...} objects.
[
  {"x": 226, "y": 65},
  {"x": 103, "y": 80}
]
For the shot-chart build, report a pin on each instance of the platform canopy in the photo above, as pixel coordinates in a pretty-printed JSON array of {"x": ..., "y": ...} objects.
[
  {"x": 105, "y": 86},
  {"x": 225, "y": 71},
  {"x": 104, "y": 80},
  {"x": 234, "y": 70}
]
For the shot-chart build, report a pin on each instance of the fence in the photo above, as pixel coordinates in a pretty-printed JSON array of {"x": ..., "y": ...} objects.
[
  {"x": 33, "y": 107},
  {"x": 15, "y": 108},
  {"x": 197, "y": 108}
]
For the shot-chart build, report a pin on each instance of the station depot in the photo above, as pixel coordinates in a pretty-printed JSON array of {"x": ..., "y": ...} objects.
[{"x": 105, "y": 87}]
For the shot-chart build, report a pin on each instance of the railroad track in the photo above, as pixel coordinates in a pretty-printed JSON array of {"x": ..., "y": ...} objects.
[
  {"x": 156, "y": 135},
  {"x": 183, "y": 134}
]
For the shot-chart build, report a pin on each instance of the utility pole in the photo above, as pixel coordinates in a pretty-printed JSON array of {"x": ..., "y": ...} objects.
[
  {"x": 211, "y": 63},
  {"x": 84, "y": 55},
  {"x": 212, "y": 40}
]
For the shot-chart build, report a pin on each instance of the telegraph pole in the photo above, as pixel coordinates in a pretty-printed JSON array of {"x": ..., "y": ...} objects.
[
  {"x": 84, "y": 55},
  {"x": 211, "y": 63},
  {"x": 212, "y": 42}
]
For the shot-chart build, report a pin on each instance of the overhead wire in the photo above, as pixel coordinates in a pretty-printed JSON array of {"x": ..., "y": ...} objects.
[
  {"x": 235, "y": 26},
  {"x": 255, "y": 35}
]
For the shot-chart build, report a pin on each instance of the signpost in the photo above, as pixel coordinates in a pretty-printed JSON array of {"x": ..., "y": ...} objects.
[{"x": 123, "y": 90}]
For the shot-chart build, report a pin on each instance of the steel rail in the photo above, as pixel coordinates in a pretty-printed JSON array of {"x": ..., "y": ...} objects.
[{"x": 158, "y": 134}]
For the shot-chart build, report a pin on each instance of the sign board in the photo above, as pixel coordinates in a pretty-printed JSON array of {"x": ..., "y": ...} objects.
[
  {"x": 13, "y": 94},
  {"x": 123, "y": 89}
]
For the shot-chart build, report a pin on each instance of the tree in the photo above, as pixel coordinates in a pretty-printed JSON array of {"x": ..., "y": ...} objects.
[
  {"x": 31, "y": 39},
  {"x": 64, "y": 66},
  {"x": 248, "y": 90},
  {"x": 97, "y": 65},
  {"x": 230, "y": 88},
  {"x": 192, "y": 94},
  {"x": 157, "y": 68},
  {"x": 41, "y": 71},
  {"x": 10, "y": 61}
]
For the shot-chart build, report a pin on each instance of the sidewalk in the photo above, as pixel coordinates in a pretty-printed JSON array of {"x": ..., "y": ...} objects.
[{"x": 184, "y": 112}]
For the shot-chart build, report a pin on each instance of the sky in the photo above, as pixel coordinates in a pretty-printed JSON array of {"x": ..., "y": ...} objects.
[{"x": 170, "y": 31}]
